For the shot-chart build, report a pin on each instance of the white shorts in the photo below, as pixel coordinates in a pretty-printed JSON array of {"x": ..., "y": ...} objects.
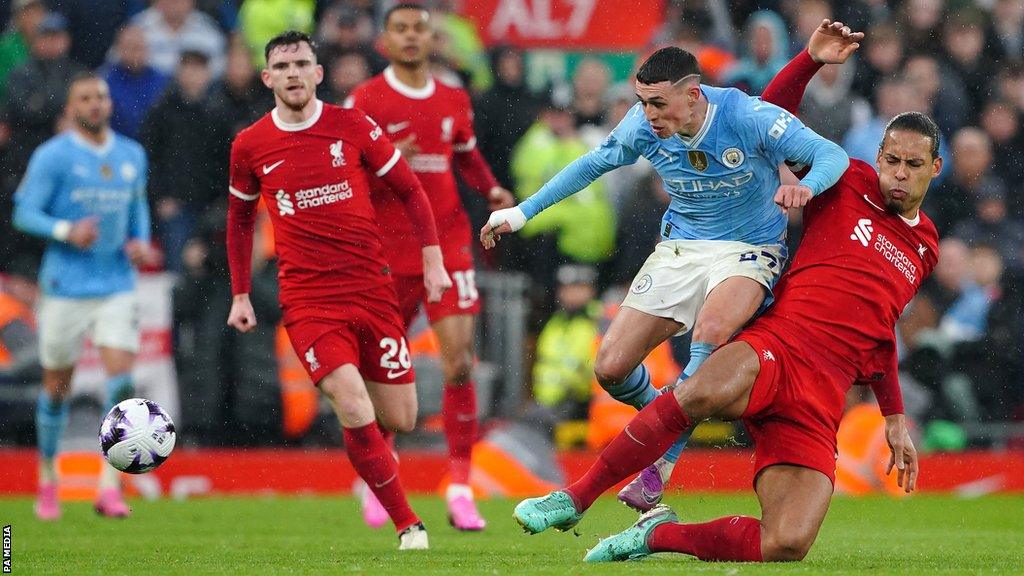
[
  {"x": 111, "y": 322},
  {"x": 677, "y": 278}
]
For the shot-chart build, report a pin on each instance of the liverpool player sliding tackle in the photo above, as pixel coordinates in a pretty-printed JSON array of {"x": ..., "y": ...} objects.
[
  {"x": 865, "y": 251},
  {"x": 432, "y": 124},
  {"x": 311, "y": 162}
]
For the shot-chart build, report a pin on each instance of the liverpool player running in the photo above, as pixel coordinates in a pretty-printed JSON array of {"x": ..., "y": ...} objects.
[
  {"x": 310, "y": 162},
  {"x": 866, "y": 249},
  {"x": 432, "y": 124}
]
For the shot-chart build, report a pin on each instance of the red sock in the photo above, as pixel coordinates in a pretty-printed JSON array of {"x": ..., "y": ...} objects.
[
  {"x": 389, "y": 437},
  {"x": 458, "y": 408},
  {"x": 730, "y": 539},
  {"x": 375, "y": 464},
  {"x": 640, "y": 443}
]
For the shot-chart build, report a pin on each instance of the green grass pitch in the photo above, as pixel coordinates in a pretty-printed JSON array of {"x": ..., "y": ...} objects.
[{"x": 317, "y": 535}]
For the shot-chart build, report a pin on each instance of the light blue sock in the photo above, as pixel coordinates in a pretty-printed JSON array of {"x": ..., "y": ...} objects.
[
  {"x": 51, "y": 418},
  {"x": 119, "y": 387},
  {"x": 636, "y": 390},
  {"x": 699, "y": 352}
]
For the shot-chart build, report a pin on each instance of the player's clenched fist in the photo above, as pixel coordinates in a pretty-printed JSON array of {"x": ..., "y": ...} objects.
[
  {"x": 435, "y": 277},
  {"x": 790, "y": 196},
  {"x": 501, "y": 222},
  {"x": 242, "y": 317}
]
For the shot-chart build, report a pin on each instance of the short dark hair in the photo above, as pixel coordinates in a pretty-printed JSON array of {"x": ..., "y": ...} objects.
[
  {"x": 287, "y": 39},
  {"x": 915, "y": 122},
  {"x": 81, "y": 76},
  {"x": 667, "y": 64},
  {"x": 403, "y": 6}
]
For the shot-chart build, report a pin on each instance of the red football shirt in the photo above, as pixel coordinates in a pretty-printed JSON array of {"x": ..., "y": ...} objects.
[
  {"x": 313, "y": 177},
  {"x": 857, "y": 268},
  {"x": 441, "y": 118}
]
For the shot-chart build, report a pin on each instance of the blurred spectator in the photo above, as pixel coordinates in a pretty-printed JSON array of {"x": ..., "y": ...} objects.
[
  {"x": 1001, "y": 121},
  {"x": 1010, "y": 84},
  {"x": 991, "y": 227},
  {"x": 919, "y": 22},
  {"x": 173, "y": 26},
  {"x": 19, "y": 343},
  {"x": 35, "y": 96},
  {"x": 937, "y": 294},
  {"x": 1008, "y": 25},
  {"x": 881, "y": 58},
  {"x": 345, "y": 29},
  {"x": 261, "y": 20},
  {"x": 766, "y": 49},
  {"x": 564, "y": 366},
  {"x": 970, "y": 179},
  {"x": 244, "y": 99},
  {"x": 583, "y": 224},
  {"x": 710, "y": 19},
  {"x": 828, "y": 103},
  {"x": 862, "y": 14},
  {"x": 134, "y": 85},
  {"x": 940, "y": 88},
  {"x": 345, "y": 72},
  {"x": 93, "y": 25},
  {"x": 590, "y": 82},
  {"x": 806, "y": 17},
  {"x": 225, "y": 376},
  {"x": 964, "y": 42},
  {"x": 504, "y": 112},
  {"x": 14, "y": 43},
  {"x": 187, "y": 138},
  {"x": 459, "y": 44},
  {"x": 712, "y": 60}
]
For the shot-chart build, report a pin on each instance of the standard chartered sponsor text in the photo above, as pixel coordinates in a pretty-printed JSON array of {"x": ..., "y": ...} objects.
[{"x": 322, "y": 195}]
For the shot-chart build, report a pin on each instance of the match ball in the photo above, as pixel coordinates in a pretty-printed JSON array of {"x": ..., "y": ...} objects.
[{"x": 137, "y": 436}]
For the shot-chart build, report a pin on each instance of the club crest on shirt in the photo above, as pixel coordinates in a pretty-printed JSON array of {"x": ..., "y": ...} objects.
[
  {"x": 337, "y": 153},
  {"x": 732, "y": 157},
  {"x": 698, "y": 159},
  {"x": 106, "y": 172}
]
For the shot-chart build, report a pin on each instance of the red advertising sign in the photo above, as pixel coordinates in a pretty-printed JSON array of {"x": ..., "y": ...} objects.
[{"x": 566, "y": 24}]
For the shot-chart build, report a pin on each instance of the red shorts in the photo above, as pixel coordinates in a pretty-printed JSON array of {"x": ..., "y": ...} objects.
[
  {"x": 461, "y": 298},
  {"x": 795, "y": 406},
  {"x": 367, "y": 333}
]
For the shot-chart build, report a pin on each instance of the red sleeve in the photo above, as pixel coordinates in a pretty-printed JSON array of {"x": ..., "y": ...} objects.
[
  {"x": 385, "y": 161},
  {"x": 886, "y": 384},
  {"x": 472, "y": 167},
  {"x": 242, "y": 203},
  {"x": 786, "y": 89}
]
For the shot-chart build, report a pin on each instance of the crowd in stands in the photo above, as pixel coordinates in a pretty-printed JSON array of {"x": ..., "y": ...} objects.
[{"x": 184, "y": 78}]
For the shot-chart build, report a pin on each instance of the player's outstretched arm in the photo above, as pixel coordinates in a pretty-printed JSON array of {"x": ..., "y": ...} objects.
[{"x": 902, "y": 454}]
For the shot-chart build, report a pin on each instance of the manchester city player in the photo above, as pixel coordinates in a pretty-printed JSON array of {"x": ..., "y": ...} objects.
[
  {"x": 85, "y": 192},
  {"x": 718, "y": 152}
]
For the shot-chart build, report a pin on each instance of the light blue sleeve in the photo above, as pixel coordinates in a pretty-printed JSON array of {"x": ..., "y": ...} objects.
[
  {"x": 139, "y": 222},
  {"x": 618, "y": 149},
  {"x": 786, "y": 138},
  {"x": 35, "y": 192}
]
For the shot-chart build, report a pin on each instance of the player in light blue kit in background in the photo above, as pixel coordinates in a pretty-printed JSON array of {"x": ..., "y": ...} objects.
[
  {"x": 85, "y": 192},
  {"x": 718, "y": 152}
]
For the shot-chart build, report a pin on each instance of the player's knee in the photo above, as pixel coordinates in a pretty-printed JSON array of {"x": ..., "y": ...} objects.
[
  {"x": 458, "y": 369},
  {"x": 353, "y": 407},
  {"x": 696, "y": 399},
  {"x": 787, "y": 546},
  {"x": 610, "y": 369},
  {"x": 399, "y": 422},
  {"x": 712, "y": 329}
]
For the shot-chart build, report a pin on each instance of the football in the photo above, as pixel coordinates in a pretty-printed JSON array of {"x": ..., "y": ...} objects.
[{"x": 137, "y": 436}]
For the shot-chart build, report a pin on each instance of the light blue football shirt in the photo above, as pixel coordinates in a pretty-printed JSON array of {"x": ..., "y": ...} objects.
[
  {"x": 69, "y": 178},
  {"x": 722, "y": 181}
]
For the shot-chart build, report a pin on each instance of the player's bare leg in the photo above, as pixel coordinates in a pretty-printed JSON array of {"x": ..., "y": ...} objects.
[
  {"x": 721, "y": 388},
  {"x": 456, "y": 336},
  {"x": 345, "y": 389},
  {"x": 630, "y": 338},
  {"x": 118, "y": 365},
  {"x": 51, "y": 418},
  {"x": 794, "y": 501},
  {"x": 727, "y": 308}
]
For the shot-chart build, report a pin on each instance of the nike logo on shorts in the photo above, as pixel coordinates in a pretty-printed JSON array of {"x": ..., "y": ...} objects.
[{"x": 392, "y": 374}]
